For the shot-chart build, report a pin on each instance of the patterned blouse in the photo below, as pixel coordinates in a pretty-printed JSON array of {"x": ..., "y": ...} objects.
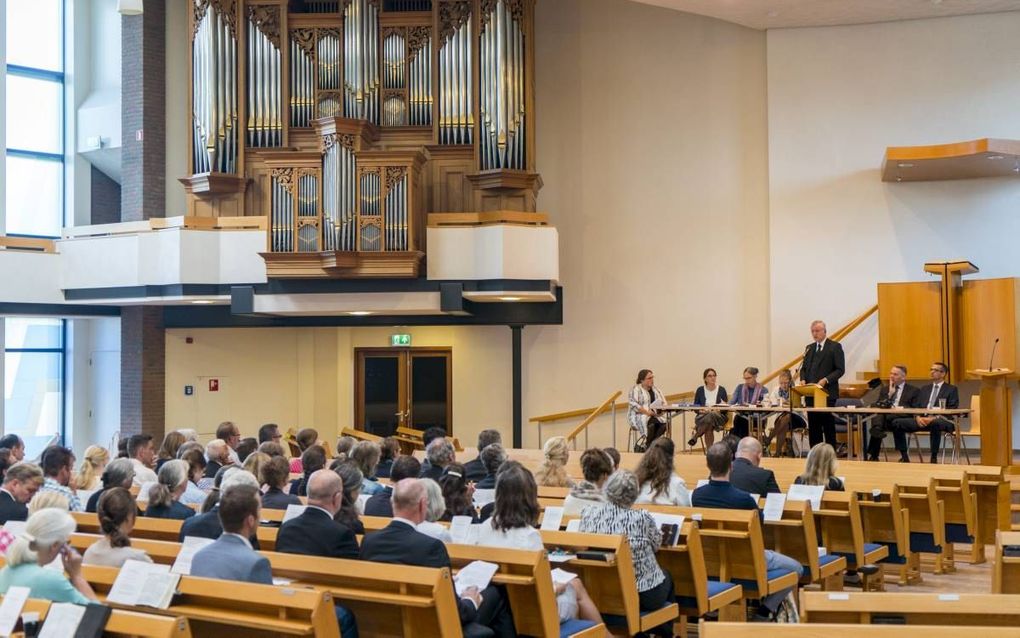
[
  {"x": 641, "y": 398},
  {"x": 643, "y": 536}
]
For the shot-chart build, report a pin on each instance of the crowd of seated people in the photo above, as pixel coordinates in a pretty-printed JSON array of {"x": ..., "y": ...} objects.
[{"x": 233, "y": 482}]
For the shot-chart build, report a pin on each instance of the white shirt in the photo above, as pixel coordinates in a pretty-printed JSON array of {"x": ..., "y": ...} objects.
[
  {"x": 711, "y": 396},
  {"x": 896, "y": 395},
  {"x": 675, "y": 494},
  {"x": 435, "y": 530},
  {"x": 143, "y": 474},
  {"x": 934, "y": 395},
  {"x": 516, "y": 538}
]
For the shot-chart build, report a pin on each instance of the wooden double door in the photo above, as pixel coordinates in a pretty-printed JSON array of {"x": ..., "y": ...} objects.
[{"x": 403, "y": 387}]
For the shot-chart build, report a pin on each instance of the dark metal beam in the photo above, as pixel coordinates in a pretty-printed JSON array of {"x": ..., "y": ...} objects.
[{"x": 515, "y": 332}]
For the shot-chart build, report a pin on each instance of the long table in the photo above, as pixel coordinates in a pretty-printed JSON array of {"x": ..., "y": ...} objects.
[{"x": 856, "y": 417}]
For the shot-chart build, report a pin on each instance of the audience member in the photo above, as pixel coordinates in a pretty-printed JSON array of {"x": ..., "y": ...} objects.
[
  {"x": 21, "y": 483},
  {"x": 820, "y": 469},
  {"x": 164, "y": 496},
  {"x": 434, "y": 512},
  {"x": 254, "y": 461},
  {"x": 122, "y": 452},
  {"x": 14, "y": 443},
  {"x": 91, "y": 468},
  {"x": 6, "y": 461},
  {"x": 344, "y": 445},
  {"x": 512, "y": 525},
  {"x": 348, "y": 512},
  {"x": 272, "y": 448},
  {"x": 231, "y": 556},
  {"x": 720, "y": 493},
  {"x": 305, "y": 438},
  {"x": 552, "y": 472},
  {"x": 596, "y": 466},
  {"x": 275, "y": 477},
  {"x": 457, "y": 493},
  {"x": 659, "y": 483},
  {"x": 617, "y": 516},
  {"x": 746, "y": 474},
  {"x": 43, "y": 500},
  {"x": 193, "y": 494},
  {"x": 170, "y": 448},
  {"x": 399, "y": 542},
  {"x": 366, "y": 456},
  {"x": 614, "y": 454},
  {"x": 44, "y": 540},
  {"x": 313, "y": 459},
  {"x": 118, "y": 473},
  {"x": 217, "y": 455},
  {"x": 57, "y": 465},
  {"x": 439, "y": 453},
  {"x": 231, "y": 435},
  {"x": 117, "y": 512},
  {"x": 190, "y": 435},
  {"x": 492, "y": 456},
  {"x": 270, "y": 433},
  {"x": 389, "y": 450},
  {"x": 142, "y": 454},
  {"x": 427, "y": 437},
  {"x": 474, "y": 470},
  {"x": 207, "y": 524},
  {"x": 379, "y": 504}
]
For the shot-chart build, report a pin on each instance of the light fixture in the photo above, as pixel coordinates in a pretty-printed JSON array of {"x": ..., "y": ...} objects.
[
  {"x": 996, "y": 157},
  {"x": 202, "y": 301},
  {"x": 359, "y": 313},
  {"x": 905, "y": 165},
  {"x": 129, "y": 7},
  {"x": 509, "y": 298}
]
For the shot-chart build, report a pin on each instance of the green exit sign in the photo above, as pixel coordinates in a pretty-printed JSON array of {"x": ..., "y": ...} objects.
[{"x": 400, "y": 340}]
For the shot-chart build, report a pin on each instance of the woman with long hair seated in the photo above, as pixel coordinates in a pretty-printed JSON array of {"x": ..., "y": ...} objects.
[
  {"x": 457, "y": 493},
  {"x": 659, "y": 483},
  {"x": 164, "y": 496},
  {"x": 820, "y": 469},
  {"x": 512, "y": 525},
  {"x": 170, "y": 447},
  {"x": 596, "y": 466},
  {"x": 348, "y": 513},
  {"x": 92, "y": 464},
  {"x": 366, "y": 456},
  {"x": 552, "y": 472},
  {"x": 117, "y": 513},
  {"x": 44, "y": 540}
]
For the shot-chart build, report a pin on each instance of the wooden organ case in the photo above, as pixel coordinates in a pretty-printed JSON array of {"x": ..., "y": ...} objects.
[{"x": 345, "y": 122}]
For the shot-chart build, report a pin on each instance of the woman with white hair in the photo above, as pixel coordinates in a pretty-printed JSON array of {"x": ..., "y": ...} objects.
[
  {"x": 44, "y": 539},
  {"x": 434, "y": 510},
  {"x": 165, "y": 495}
]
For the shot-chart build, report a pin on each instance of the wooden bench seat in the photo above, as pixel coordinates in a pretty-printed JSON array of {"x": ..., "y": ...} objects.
[
  {"x": 695, "y": 593},
  {"x": 124, "y": 623},
  {"x": 1002, "y": 610},
  {"x": 764, "y": 630},
  {"x": 842, "y": 533},
  {"x": 1006, "y": 569}
]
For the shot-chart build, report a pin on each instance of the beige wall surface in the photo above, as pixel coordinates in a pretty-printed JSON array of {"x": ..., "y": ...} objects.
[{"x": 652, "y": 146}]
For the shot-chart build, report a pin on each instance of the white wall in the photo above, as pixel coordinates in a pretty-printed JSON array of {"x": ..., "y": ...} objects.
[
  {"x": 837, "y": 97},
  {"x": 652, "y": 146}
]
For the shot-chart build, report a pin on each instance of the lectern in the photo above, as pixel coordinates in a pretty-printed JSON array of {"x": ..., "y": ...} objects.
[
  {"x": 808, "y": 391},
  {"x": 996, "y": 416}
]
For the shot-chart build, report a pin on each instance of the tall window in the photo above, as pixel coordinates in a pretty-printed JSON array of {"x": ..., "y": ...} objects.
[
  {"x": 35, "y": 117},
  {"x": 34, "y": 379}
]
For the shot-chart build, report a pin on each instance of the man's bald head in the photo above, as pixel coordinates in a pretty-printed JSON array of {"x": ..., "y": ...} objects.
[
  {"x": 408, "y": 498},
  {"x": 325, "y": 490},
  {"x": 749, "y": 448}
]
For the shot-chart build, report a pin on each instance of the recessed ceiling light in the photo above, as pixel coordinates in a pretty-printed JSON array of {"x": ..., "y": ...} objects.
[
  {"x": 359, "y": 313},
  {"x": 905, "y": 165},
  {"x": 202, "y": 301},
  {"x": 509, "y": 298},
  {"x": 996, "y": 157}
]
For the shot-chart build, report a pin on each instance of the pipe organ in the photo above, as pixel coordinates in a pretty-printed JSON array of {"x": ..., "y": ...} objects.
[{"x": 345, "y": 122}]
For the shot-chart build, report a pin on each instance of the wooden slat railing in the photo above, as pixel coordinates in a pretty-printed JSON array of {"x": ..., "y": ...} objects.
[
  {"x": 590, "y": 413},
  {"x": 608, "y": 403}
]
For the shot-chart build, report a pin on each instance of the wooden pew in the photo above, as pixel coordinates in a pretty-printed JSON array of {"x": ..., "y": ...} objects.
[
  {"x": 695, "y": 593},
  {"x": 995, "y": 610},
  {"x": 612, "y": 583},
  {"x": 842, "y": 533},
  {"x": 887, "y": 523},
  {"x": 795, "y": 535},
  {"x": 1006, "y": 569},
  {"x": 762, "y": 630},
  {"x": 128, "y": 623}
]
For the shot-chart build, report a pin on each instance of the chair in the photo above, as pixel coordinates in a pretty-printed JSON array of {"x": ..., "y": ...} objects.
[{"x": 973, "y": 431}]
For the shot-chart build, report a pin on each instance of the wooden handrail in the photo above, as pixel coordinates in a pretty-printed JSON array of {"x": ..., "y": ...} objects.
[
  {"x": 835, "y": 336},
  {"x": 591, "y": 417},
  {"x": 30, "y": 244}
]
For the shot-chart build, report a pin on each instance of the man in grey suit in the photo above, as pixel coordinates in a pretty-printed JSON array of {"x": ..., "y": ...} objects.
[{"x": 231, "y": 557}]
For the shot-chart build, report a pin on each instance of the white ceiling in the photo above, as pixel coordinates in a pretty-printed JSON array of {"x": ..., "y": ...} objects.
[{"x": 776, "y": 14}]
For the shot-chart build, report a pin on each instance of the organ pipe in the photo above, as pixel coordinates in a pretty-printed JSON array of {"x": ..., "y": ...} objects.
[
  {"x": 361, "y": 60},
  {"x": 456, "y": 120},
  {"x": 265, "y": 118},
  {"x": 420, "y": 76},
  {"x": 501, "y": 101},
  {"x": 214, "y": 96}
]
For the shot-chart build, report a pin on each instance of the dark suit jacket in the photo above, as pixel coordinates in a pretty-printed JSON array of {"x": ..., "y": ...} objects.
[
  {"x": 176, "y": 510},
  {"x": 723, "y": 495},
  {"x": 315, "y": 533},
  {"x": 379, "y": 504},
  {"x": 93, "y": 503},
  {"x": 947, "y": 392},
  {"x": 275, "y": 499},
  {"x": 751, "y": 479},
  {"x": 909, "y": 396},
  {"x": 829, "y": 364},
  {"x": 431, "y": 471},
  {"x": 299, "y": 487},
  {"x": 474, "y": 470},
  {"x": 383, "y": 469},
  {"x": 207, "y": 526},
  {"x": 699, "y": 395},
  {"x": 400, "y": 543},
  {"x": 487, "y": 482},
  {"x": 11, "y": 510},
  {"x": 211, "y": 468}
]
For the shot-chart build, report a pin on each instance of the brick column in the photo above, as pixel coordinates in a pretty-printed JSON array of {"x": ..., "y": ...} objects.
[{"x": 143, "y": 195}]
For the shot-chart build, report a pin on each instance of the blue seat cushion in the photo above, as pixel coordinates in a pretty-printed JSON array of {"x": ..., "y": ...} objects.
[
  {"x": 894, "y": 554},
  {"x": 769, "y": 575},
  {"x": 714, "y": 588},
  {"x": 615, "y": 620},
  {"x": 957, "y": 533},
  {"x": 924, "y": 542},
  {"x": 822, "y": 560},
  {"x": 851, "y": 558},
  {"x": 571, "y": 627}
]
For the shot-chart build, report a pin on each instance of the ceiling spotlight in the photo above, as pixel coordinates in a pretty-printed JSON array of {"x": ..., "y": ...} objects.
[
  {"x": 905, "y": 165},
  {"x": 996, "y": 157},
  {"x": 129, "y": 7},
  {"x": 202, "y": 301},
  {"x": 509, "y": 298},
  {"x": 359, "y": 313}
]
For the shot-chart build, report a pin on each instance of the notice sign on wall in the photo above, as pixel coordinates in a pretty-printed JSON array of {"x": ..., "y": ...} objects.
[
  {"x": 214, "y": 385},
  {"x": 400, "y": 340}
]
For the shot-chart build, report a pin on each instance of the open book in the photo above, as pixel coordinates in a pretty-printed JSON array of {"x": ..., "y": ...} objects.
[
  {"x": 670, "y": 525},
  {"x": 146, "y": 584}
]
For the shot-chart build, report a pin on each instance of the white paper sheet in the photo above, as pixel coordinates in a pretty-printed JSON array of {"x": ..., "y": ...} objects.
[
  {"x": 552, "y": 518},
  {"x": 62, "y": 620},
  {"x": 360, "y": 504},
  {"x": 141, "y": 583},
  {"x": 774, "y": 503},
  {"x": 10, "y": 609},
  {"x": 477, "y": 573},
  {"x": 810, "y": 493},
  {"x": 293, "y": 511},
  {"x": 561, "y": 557},
  {"x": 189, "y": 548},
  {"x": 481, "y": 498},
  {"x": 561, "y": 577},
  {"x": 574, "y": 525},
  {"x": 461, "y": 531}
]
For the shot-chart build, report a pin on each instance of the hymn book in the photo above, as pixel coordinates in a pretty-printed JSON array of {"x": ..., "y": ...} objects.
[{"x": 145, "y": 584}]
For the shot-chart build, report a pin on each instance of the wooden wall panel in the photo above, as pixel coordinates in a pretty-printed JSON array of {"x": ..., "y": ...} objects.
[
  {"x": 989, "y": 310},
  {"x": 909, "y": 327}
]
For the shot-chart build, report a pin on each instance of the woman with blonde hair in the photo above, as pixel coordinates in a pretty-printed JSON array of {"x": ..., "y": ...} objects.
[
  {"x": 165, "y": 495},
  {"x": 820, "y": 469},
  {"x": 91, "y": 468},
  {"x": 48, "y": 500},
  {"x": 552, "y": 472},
  {"x": 44, "y": 539},
  {"x": 255, "y": 462}
]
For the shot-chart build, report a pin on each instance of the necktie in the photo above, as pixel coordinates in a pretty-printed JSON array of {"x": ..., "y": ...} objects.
[
  {"x": 934, "y": 395},
  {"x": 818, "y": 349},
  {"x": 896, "y": 401}
]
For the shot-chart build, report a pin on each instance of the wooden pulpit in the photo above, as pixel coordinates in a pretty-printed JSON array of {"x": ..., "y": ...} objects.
[
  {"x": 996, "y": 416},
  {"x": 808, "y": 391}
]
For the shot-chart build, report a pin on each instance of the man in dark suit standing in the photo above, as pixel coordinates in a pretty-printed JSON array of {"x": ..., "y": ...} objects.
[
  {"x": 21, "y": 483},
  {"x": 931, "y": 396},
  {"x": 824, "y": 364},
  {"x": 314, "y": 532},
  {"x": 481, "y": 613},
  {"x": 895, "y": 394},
  {"x": 746, "y": 474},
  {"x": 379, "y": 503}
]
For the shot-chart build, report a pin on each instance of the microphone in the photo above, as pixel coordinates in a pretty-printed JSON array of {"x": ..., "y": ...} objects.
[{"x": 992, "y": 358}]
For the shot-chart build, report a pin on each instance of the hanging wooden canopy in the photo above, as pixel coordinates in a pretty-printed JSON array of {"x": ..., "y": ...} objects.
[{"x": 986, "y": 157}]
